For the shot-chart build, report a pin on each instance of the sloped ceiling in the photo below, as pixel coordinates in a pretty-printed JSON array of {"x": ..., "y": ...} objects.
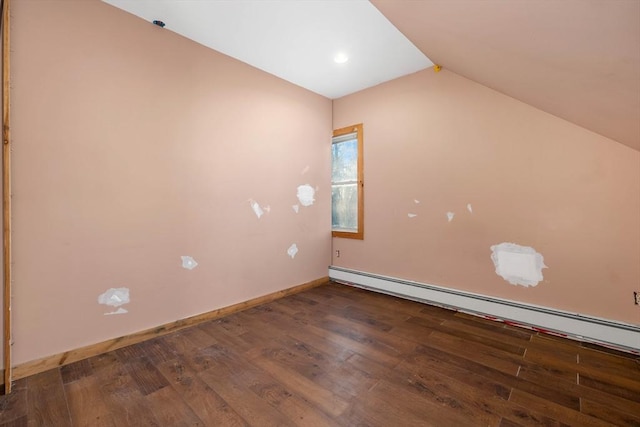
[
  {"x": 294, "y": 40},
  {"x": 576, "y": 59}
]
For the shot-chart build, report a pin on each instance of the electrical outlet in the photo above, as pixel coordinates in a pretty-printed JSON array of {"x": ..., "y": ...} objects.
[
  {"x": 338, "y": 256},
  {"x": 636, "y": 298}
]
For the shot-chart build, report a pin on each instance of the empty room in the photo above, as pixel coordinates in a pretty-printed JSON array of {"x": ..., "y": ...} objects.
[{"x": 320, "y": 213}]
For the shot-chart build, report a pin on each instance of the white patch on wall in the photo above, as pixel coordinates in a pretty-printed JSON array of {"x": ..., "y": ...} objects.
[
  {"x": 256, "y": 208},
  {"x": 412, "y": 215},
  {"x": 450, "y": 216},
  {"x": 296, "y": 208},
  {"x": 188, "y": 262},
  {"x": 469, "y": 208},
  {"x": 115, "y": 297},
  {"x": 518, "y": 265},
  {"x": 306, "y": 194},
  {"x": 118, "y": 311},
  {"x": 416, "y": 201},
  {"x": 292, "y": 251}
]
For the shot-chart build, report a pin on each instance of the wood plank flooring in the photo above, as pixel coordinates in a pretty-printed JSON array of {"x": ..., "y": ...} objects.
[{"x": 338, "y": 356}]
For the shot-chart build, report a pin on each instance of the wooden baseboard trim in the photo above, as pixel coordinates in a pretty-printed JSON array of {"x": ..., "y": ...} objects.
[{"x": 44, "y": 364}]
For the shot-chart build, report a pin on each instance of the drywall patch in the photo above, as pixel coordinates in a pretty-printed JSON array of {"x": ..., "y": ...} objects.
[
  {"x": 518, "y": 265},
  {"x": 292, "y": 251},
  {"x": 469, "y": 208},
  {"x": 115, "y": 297},
  {"x": 296, "y": 208},
  {"x": 256, "y": 208},
  {"x": 188, "y": 262},
  {"x": 412, "y": 215},
  {"x": 450, "y": 216},
  {"x": 306, "y": 194},
  {"x": 118, "y": 311}
]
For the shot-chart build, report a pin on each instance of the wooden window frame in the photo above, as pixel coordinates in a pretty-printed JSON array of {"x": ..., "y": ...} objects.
[{"x": 359, "y": 234}]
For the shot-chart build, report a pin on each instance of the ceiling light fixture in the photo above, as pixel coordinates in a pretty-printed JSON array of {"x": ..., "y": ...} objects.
[{"x": 340, "y": 58}]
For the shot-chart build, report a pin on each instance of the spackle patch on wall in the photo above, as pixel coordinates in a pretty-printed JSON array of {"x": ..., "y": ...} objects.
[
  {"x": 188, "y": 262},
  {"x": 306, "y": 194},
  {"x": 518, "y": 265},
  {"x": 115, "y": 297},
  {"x": 450, "y": 216},
  {"x": 256, "y": 208},
  {"x": 118, "y": 311},
  {"x": 412, "y": 215},
  {"x": 292, "y": 251},
  {"x": 295, "y": 208},
  {"x": 469, "y": 208}
]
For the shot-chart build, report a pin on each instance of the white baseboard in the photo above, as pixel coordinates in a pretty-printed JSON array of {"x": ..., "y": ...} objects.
[{"x": 618, "y": 335}]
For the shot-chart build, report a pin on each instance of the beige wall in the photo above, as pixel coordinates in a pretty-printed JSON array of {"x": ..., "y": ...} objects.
[
  {"x": 134, "y": 146},
  {"x": 531, "y": 179}
]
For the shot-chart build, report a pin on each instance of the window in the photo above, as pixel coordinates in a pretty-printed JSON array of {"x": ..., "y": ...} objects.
[{"x": 347, "y": 184}]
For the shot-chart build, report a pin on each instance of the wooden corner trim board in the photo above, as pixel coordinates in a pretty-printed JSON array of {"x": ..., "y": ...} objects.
[
  {"x": 6, "y": 198},
  {"x": 40, "y": 365}
]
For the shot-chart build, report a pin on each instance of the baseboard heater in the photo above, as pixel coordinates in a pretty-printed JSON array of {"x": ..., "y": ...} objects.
[{"x": 609, "y": 333}]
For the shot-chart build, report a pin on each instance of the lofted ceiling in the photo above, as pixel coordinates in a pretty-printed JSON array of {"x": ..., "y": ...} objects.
[{"x": 575, "y": 59}]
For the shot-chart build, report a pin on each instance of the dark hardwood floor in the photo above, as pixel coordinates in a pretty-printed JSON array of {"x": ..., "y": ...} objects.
[{"x": 338, "y": 356}]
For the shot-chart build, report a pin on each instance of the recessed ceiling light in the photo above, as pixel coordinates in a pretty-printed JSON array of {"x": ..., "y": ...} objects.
[{"x": 340, "y": 58}]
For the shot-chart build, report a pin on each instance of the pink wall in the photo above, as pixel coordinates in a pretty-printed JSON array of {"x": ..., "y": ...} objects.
[
  {"x": 134, "y": 146},
  {"x": 531, "y": 179}
]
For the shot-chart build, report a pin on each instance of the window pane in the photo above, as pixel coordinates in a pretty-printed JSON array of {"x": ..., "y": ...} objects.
[
  {"x": 347, "y": 183},
  {"x": 344, "y": 161},
  {"x": 344, "y": 206}
]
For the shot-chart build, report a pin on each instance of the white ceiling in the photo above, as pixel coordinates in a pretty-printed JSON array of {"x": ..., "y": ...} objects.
[{"x": 294, "y": 40}]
